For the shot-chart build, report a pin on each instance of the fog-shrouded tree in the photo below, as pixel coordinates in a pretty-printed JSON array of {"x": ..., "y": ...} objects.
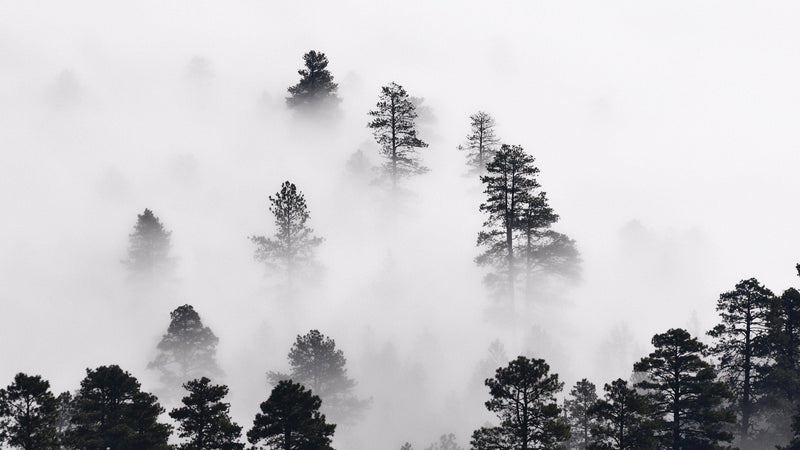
[
  {"x": 621, "y": 420},
  {"x": 482, "y": 142},
  {"x": 290, "y": 420},
  {"x": 316, "y": 87},
  {"x": 446, "y": 442},
  {"x": 782, "y": 379},
  {"x": 111, "y": 412},
  {"x": 581, "y": 398},
  {"x": 187, "y": 351},
  {"x": 395, "y": 131},
  {"x": 29, "y": 414},
  {"x": 742, "y": 350},
  {"x": 317, "y": 364},
  {"x": 291, "y": 250},
  {"x": 204, "y": 420},
  {"x": 687, "y": 399},
  {"x": 148, "y": 248},
  {"x": 523, "y": 397},
  {"x": 406, "y": 446}
]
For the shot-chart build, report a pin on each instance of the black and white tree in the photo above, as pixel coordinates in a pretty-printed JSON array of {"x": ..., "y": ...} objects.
[
  {"x": 291, "y": 251},
  {"x": 148, "y": 248},
  {"x": 204, "y": 421},
  {"x": 621, "y": 420},
  {"x": 29, "y": 414},
  {"x": 316, "y": 88},
  {"x": 446, "y": 442},
  {"x": 187, "y": 351},
  {"x": 581, "y": 398},
  {"x": 395, "y": 131},
  {"x": 482, "y": 142}
]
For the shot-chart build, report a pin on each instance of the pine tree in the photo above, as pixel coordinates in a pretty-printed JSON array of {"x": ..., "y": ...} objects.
[
  {"x": 316, "y": 87},
  {"x": 742, "y": 349},
  {"x": 446, "y": 442},
  {"x": 29, "y": 414},
  {"x": 187, "y": 351},
  {"x": 111, "y": 412},
  {"x": 406, "y": 446},
  {"x": 523, "y": 397},
  {"x": 291, "y": 250},
  {"x": 290, "y": 420},
  {"x": 581, "y": 398},
  {"x": 148, "y": 248},
  {"x": 204, "y": 420},
  {"x": 396, "y": 133},
  {"x": 687, "y": 399},
  {"x": 481, "y": 144},
  {"x": 621, "y": 420}
]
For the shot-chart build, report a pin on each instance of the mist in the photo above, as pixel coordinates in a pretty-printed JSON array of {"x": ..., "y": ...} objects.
[{"x": 665, "y": 135}]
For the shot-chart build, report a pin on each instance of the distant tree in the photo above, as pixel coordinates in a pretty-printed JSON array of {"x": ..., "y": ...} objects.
[
  {"x": 317, "y": 363},
  {"x": 395, "y": 132},
  {"x": 581, "y": 398},
  {"x": 686, "y": 397},
  {"x": 621, "y": 420},
  {"x": 523, "y": 397},
  {"x": 148, "y": 248},
  {"x": 29, "y": 414},
  {"x": 406, "y": 446},
  {"x": 742, "y": 349},
  {"x": 111, "y": 412},
  {"x": 481, "y": 142},
  {"x": 187, "y": 351},
  {"x": 66, "y": 409},
  {"x": 291, "y": 250},
  {"x": 290, "y": 420},
  {"x": 446, "y": 442},
  {"x": 204, "y": 421},
  {"x": 316, "y": 87}
]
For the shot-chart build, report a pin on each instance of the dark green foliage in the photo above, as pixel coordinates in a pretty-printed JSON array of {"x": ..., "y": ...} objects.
[
  {"x": 523, "y": 397},
  {"x": 290, "y": 420},
  {"x": 446, "y": 442},
  {"x": 148, "y": 248},
  {"x": 621, "y": 420},
  {"x": 481, "y": 144},
  {"x": 581, "y": 398},
  {"x": 28, "y": 414},
  {"x": 111, "y": 412},
  {"x": 187, "y": 350},
  {"x": 317, "y": 363},
  {"x": 742, "y": 349},
  {"x": 291, "y": 251},
  {"x": 204, "y": 420},
  {"x": 395, "y": 132},
  {"x": 316, "y": 86},
  {"x": 686, "y": 397}
]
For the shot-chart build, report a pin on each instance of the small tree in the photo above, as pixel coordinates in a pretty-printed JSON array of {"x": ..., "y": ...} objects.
[
  {"x": 316, "y": 87},
  {"x": 581, "y": 398},
  {"x": 523, "y": 397},
  {"x": 187, "y": 350},
  {"x": 396, "y": 133},
  {"x": 111, "y": 412},
  {"x": 446, "y": 442},
  {"x": 29, "y": 413},
  {"x": 621, "y": 420},
  {"x": 148, "y": 248},
  {"x": 292, "y": 249},
  {"x": 204, "y": 420},
  {"x": 687, "y": 399},
  {"x": 481, "y": 142},
  {"x": 290, "y": 420}
]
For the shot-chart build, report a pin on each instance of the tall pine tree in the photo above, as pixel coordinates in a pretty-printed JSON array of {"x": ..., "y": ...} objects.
[
  {"x": 482, "y": 142},
  {"x": 148, "y": 248},
  {"x": 581, "y": 398},
  {"x": 204, "y": 420}
]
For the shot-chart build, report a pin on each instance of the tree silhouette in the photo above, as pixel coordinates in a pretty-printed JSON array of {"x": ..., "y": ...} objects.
[
  {"x": 621, "y": 420},
  {"x": 316, "y": 87},
  {"x": 290, "y": 420},
  {"x": 395, "y": 132},
  {"x": 187, "y": 351},
  {"x": 148, "y": 248},
  {"x": 204, "y": 420},
  {"x": 291, "y": 250},
  {"x": 523, "y": 397},
  {"x": 481, "y": 144},
  {"x": 581, "y": 398},
  {"x": 446, "y": 442},
  {"x": 29, "y": 414}
]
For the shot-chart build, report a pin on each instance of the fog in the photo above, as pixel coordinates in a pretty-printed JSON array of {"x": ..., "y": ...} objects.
[{"x": 665, "y": 135}]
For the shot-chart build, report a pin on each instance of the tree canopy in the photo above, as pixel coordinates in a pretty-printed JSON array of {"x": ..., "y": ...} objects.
[
  {"x": 149, "y": 246},
  {"x": 316, "y": 87},
  {"x": 29, "y": 413},
  {"x": 204, "y": 420}
]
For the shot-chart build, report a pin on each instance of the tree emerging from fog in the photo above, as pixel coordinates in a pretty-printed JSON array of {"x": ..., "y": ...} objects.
[
  {"x": 316, "y": 87},
  {"x": 446, "y": 442},
  {"x": 204, "y": 420},
  {"x": 291, "y": 250},
  {"x": 481, "y": 144},
  {"x": 581, "y": 398},
  {"x": 29, "y": 414},
  {"x": 148, "y": 248},
  {"x": 187, "y": 351},
  {"x": 395, "y": 131},
  {"x": 621, "y": 420}
]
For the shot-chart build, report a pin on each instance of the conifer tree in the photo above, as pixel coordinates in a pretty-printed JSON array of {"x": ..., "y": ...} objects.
[
  {"x": 481, "y": 142},
  {"x": 446, "y": 442},
  {"x": 395, "y": 132},
  {"x": 316, "y": 87},
  {"x": 291, "y": 250},
  {"x": 29, "y": 414},
  {"x": 621, "y": 420},
  {"x": 204, "y": 420},
  {"x": 148, "y": 248},
  {"x": 581, "y": 398},
  {"x": 187, "y": 351},
  {"x": 742, "y": 349}
]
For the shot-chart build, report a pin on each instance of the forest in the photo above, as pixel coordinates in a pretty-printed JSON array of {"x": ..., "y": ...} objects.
[{"x": 385, "y": 246}]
